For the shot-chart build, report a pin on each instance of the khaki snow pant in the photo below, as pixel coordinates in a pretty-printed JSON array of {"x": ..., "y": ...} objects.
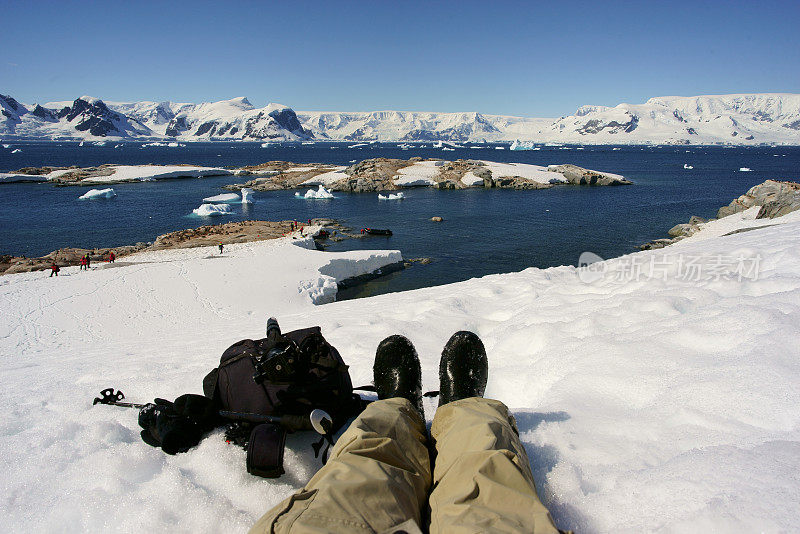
[{"x": 378, "y": 479}]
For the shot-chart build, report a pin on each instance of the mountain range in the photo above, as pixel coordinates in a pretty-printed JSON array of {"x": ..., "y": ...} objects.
[{"x": 739, "y": 119}]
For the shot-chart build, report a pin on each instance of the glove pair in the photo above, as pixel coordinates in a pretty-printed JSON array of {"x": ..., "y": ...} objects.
[{"x": 178, "y": 426}]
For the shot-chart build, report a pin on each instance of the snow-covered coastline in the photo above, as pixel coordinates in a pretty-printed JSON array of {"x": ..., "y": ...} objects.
[{"x": 657, "y": 391}]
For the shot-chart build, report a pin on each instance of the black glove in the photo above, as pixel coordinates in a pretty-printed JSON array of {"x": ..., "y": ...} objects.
[{"x": 179, "y": 426}]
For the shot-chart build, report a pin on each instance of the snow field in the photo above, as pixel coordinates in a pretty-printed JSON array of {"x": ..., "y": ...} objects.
[
  {"x": 421, "y": 173},
  {"x": 645, "y": 403},
  {"x": 535, "y": 173},
  {"x": 134, "y": 173}
]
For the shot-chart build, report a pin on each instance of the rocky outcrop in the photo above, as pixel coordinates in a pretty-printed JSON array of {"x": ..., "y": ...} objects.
[
  {"x": 63, "y": 257},
  {"x": 235, "y": 232},
  {"x": 580, "y": 176},
  {"x": 776, "y": 198}
]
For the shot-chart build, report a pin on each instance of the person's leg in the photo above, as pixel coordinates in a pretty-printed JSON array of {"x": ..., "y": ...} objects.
[
  {"x": 378, "y": 475},
  {"x": 482, "y": 480}
]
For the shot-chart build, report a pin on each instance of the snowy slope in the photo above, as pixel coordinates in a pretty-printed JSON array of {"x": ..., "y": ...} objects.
[
  {"x": 715, "y": 119},
  {"x": 651, "y": 394}
]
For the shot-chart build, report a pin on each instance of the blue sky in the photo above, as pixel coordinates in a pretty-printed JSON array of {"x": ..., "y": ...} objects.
[{"x": 540, "y": 59}]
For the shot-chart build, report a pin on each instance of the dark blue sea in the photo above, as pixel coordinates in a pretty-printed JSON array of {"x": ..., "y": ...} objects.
[{"x": 484, "y": 231}]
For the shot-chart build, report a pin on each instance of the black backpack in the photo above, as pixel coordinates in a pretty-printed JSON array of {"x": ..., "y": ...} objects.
[{"x": 281, "y": 375}]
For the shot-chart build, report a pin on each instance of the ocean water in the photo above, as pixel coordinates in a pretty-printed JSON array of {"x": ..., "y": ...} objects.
[{"x": 484, "y": 231}]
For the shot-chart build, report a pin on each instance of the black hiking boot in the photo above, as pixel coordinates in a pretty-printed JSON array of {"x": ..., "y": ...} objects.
[
  {"x": 463, "y": 369},
  {"x": 397, "y": 371}
]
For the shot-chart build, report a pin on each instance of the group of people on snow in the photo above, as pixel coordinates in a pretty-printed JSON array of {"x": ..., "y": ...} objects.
[{"x": 86, "y": 262}]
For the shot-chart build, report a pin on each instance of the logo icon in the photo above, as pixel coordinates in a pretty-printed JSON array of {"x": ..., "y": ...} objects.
[{"x": 591, "y": 267}]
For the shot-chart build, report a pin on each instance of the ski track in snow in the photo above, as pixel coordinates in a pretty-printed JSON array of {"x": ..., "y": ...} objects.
[{"x": 655, "y": 404}]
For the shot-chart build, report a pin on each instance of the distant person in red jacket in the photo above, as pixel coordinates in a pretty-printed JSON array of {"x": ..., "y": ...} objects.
[
  {"x": 84, "y": 264},
  {"x": 54, "y": 269},
  {"x": 88, "y": 262},
  {"x": 111, "y": 257}
]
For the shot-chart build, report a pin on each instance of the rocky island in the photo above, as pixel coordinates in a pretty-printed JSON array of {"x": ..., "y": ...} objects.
[
  {"x": 370, "y": 175},
  {"x": 384, "y": 174}
]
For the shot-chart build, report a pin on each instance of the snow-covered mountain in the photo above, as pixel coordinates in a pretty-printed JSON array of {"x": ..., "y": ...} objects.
[
  {"x": 91, "y": 118},
  {"x": 721, "y": 119}
]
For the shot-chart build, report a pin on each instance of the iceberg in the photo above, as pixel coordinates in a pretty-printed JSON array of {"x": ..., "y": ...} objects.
[
  {"x": 94, "y": 194},
  {"x": 522, "y": 145},
  {"x": 448, "y": 148},
  {"x": 247, "y": 195},
  {"x": 212, "y": 210},
  {"x": 9, "y": 146},
  {"x": 392, "y": 196},
  {"x": 223, "y": 198},
  {"x": 687, "y": 166},
  {"x": 16, "y": 151},
  {"x": 741, "y": 169},
  {"x": 320, "y": 193}
]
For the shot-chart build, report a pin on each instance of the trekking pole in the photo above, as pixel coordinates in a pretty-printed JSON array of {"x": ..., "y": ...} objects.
[
  {"x": 113, "y": 398},
  {"x": 320, "y": 420}
]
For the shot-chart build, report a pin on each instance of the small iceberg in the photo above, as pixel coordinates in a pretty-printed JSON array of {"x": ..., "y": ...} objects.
[
  {"x": 9, "y": 146},
  {"x": 687, "y": 166},
  {"x": 16, "y": 151},
  {"x": 94, "y": 194},
  {"x": 212, "y": 210},
  {"x": 448, "y": 149},
  {"x": 80, "y": 144},
  {"x": 499, "y": 148},
  {"x": 320, "y": 193},
  {"x": 521, "y": 145},
  {"x": 357, "y": 145},
  {"x": 438, "y": 144},
  {"x": 265, "y": 145},
  {"x": 741, "y": 169},
  {"x": 247, "y": 195},
  {"x": 392, "y": 196},
  {"x": 99, "y": 143},
  {"x": 223, "y": 198}
]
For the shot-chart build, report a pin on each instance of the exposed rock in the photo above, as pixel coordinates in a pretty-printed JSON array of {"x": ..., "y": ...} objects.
[
  {"x": 775, "y": 197},
  {"x": 580, "y": 176},
  {"x": 235, "y": 232}
]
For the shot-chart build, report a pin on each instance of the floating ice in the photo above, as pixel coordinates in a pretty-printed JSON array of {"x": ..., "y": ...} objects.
[
  {"x": 449, "y": 149},
  {"x": 16, "y": 150},
  {"x": 99, "y": 143},
  {"x": 437, "y": 144},
  {"x": 320, "y": 193},
  {"x": 392, "y": 196},
  {"x": 94, "y": 194},
  {"x": 9, "y": 146},
  {"x": 265, "y": 145},
  {"x": 745, "y": 169},
  {"x": 499, "y": 148},
  {"x": 687, "y": 166},
  {"x": 224, "y": 197},
  {"x": 212, "y": 210},
  {"x": 80, "y": 144},
  {"x": 247, "y": 195},
  {"x": 357, "y": 145},
  {"x": 521, "y": 145}
]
